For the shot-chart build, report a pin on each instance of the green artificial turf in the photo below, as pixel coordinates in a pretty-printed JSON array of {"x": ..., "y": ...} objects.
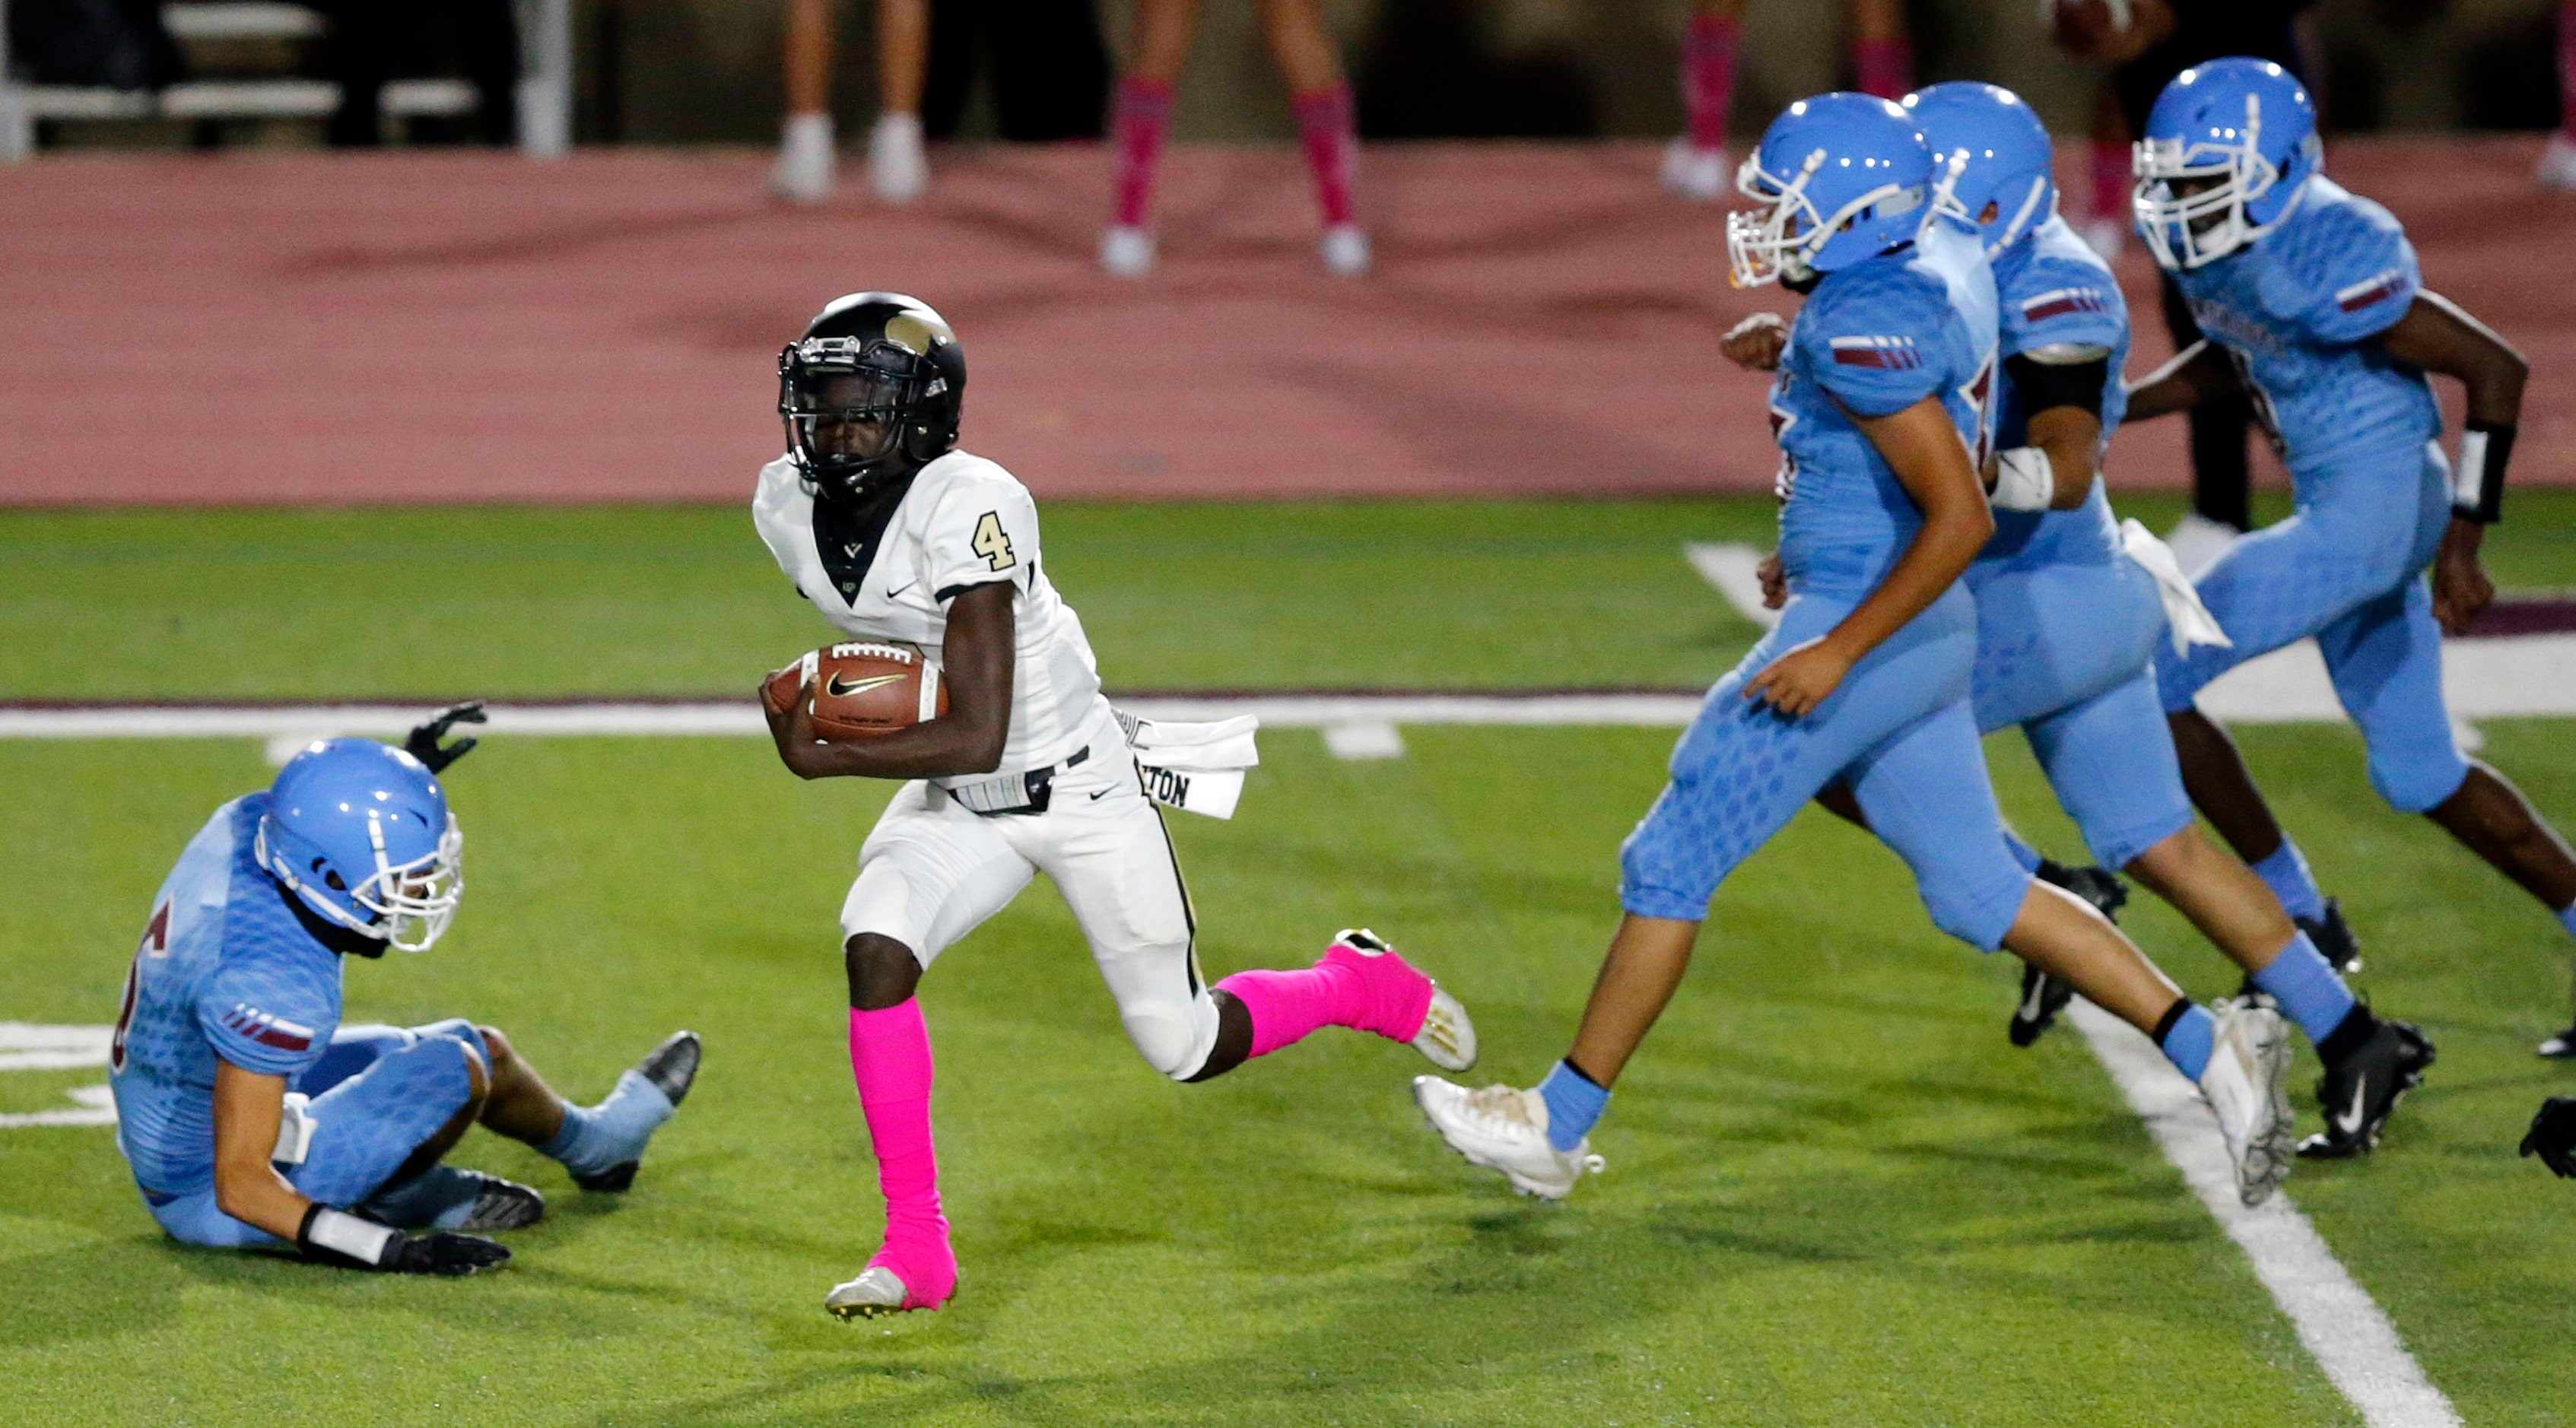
[{"x": 1835, "y": 1194}]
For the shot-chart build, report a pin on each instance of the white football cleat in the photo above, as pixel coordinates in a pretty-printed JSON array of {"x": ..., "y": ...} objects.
[
  {"x": 2557, "y": 168},
  {"x": 877, "y": 1291},
  {"x": 1447, "y": 1039},
  {"x": 897, "y": 168},
  {"x": 2247, "y": 1083},
  {"x": 803, "y": 173},
  {"x": 1695, "y": 173},
  {"x": 1504, "y": 1128},
  {"x": 1346, "y": 251},
  {"x": 1127, "y": 251},
  {"x": 2106, "y": 236}
]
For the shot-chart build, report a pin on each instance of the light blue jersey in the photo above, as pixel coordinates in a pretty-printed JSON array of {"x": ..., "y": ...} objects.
[
  {"x": 2053, "y": 290},
  {"x": 1873, "y": 339},
  {"x": 2297, "y": 308},
  {"x": 225, "y": 970}
]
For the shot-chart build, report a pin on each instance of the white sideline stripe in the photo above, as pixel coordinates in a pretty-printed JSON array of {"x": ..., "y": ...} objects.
[
  {"x": 1733, "y": 568},
  {"x": 2500, "y": 677},
  {"x": 2336, "y": 1318}
]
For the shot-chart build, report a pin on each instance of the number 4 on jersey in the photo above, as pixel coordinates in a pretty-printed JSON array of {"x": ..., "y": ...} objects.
[{"x": 992, "y": 544}]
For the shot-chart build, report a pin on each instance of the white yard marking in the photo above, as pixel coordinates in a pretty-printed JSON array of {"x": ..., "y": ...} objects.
[
  {"x": 1734, "y": 569},
  {"x": 97, "y": 1108},
  {"x": 2336, "y": 1318},
  {"x": 1364, "y": 739},
  {"x": 35, "y": 1046}
]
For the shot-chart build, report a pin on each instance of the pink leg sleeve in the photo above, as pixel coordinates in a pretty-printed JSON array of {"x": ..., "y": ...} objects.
[
  {"x": 890, "y": 1059},
  {"x": 1348, "y": 987}
]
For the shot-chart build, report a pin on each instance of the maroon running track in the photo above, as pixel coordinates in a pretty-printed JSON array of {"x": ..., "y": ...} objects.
[{"x": 412, "y": 327}]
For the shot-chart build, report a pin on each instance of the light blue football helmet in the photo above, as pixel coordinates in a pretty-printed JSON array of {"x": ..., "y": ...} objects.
[
  {"x": 2228, "y": 150},
  {"x": 1990, "y": 157},
  {"x": 360, "y": 832},
  {"x": 1841, "y": 179}
]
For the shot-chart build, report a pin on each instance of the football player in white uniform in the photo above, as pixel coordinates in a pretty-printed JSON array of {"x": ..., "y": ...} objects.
[{"x": 894, "y": 534}]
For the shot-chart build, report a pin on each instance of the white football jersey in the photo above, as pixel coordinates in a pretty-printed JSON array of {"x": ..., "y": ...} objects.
[{"x": 964, "y": 522}]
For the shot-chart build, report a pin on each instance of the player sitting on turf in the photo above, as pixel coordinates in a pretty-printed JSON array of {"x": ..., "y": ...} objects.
[
  {"x": 1879, "y": 409},
  {"x": 896, "y": 535},
  {"x": 2311, "y": 297},
  {"x": 250, "y": 1116},
  {"x": 2068, "y": 620}
]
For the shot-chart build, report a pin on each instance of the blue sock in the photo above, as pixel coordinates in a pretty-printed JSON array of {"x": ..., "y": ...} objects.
[
  {"x": 2188, "y": 1040},
  {"x": 2308, "y": 988},
  {"x": 2287, "y": 874},
  {"x": 596, "y": 1139},
  {"x": 2023, "y": 853},
  {"x": 422, "y": 1202},
  {"x": 1574, "y": 1104},
  {"x": 2567, "y": 918}
]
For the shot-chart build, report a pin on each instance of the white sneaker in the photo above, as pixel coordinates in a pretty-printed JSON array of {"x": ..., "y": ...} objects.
[
  {"x": 875, "y": 1292},
  {"x": 803, "y": 173},
  {"x": 2106, "y": 236},
  {"x": 1692, "y": 172},
  {"x": 897, "y": 168},
  {"x": 1346, "y": 251},
  {"x": 1504, "y": 1128},
  {"x": 2247, "y": 1083},
  {"x": 1447, "y": 1039},
  {"x": 2197, "y": 542},
  {"x": 1127, "y": 252},
  {"x": 2557, "y": 164}
]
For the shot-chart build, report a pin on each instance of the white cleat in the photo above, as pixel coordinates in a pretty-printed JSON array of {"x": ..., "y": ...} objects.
[
  {"x": 1695, "y": 173},
  {"x": 2247, "y": 1083},
  {"x": 1346, "y": 251},
  {"x": 897, "y": 168},
  {"x": 2106, "y": 237},
  {"x": 1504, "y": 1128},
  {"x": 803, "y": 173},
  {"x": 2557, "y": 170},
  {"x": 1447, "y": 1039},
  {"x": 874, "y": 1293},
  {"x": 1127, "y": 251}
]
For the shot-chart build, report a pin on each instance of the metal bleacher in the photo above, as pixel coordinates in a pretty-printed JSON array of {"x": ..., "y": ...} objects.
[{"x": 544, "y": 89}]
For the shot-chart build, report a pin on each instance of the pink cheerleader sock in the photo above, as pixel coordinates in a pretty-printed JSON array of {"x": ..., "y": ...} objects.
[
  {"x": 1708, "y": 79},
  {"x": 1348, "y": 987},
  {"x": 1330, "y": 136},
  {"x": 2111, "y": 181},
  {"x": 890, "y": 1058},
  {"x": 1883, "y": 67},
  {"x": 1141, "y": 121}
]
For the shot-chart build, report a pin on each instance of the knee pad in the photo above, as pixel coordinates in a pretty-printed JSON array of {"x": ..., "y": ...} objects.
[
  {"x": 2417, "y": 777},
  {"x": 1173, "y": 1040}
]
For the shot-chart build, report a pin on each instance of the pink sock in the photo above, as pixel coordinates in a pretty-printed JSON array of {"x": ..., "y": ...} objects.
[
  {"x": 1330, "y": 136},
  {"x": 1708, "y": 79},
  {"x": 1884, "y": 67},
  {"x": 2110, "y": 180},
  {"x": 890, "y": 1058},
  {"x": 2567, "y": 69},
  {"x": 1140, "y": 123},
  {"x": 1347, "y": 987}
]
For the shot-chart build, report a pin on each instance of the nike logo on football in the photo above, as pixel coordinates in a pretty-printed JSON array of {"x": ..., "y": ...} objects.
[
  {"x": 842, "y": 687},
  {"x": 2349, "y": 1123}
]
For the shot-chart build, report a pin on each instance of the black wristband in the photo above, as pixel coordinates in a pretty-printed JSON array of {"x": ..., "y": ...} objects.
[{"x": 2477, "y": 488}]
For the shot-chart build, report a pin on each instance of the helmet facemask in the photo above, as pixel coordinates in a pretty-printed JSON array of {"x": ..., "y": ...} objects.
[
  {"x": 850, "y": 407},
  {"x": 405, "y": 905},
  {"x": 2192, "y": 196},
  {"x": 1783, "y": 239}
]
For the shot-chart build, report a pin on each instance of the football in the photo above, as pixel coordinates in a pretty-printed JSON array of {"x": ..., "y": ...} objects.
[{"x": 861, "y": 688}]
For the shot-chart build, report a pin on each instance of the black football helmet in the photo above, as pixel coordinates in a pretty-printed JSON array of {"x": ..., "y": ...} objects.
[{"x": 870, "y": 392}]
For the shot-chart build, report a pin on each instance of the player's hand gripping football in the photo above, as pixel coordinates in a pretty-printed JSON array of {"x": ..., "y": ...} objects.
[
  {"x": 423, "y": 742},
  {"x": 2553, "y": 1136},
  {"x": 2461, "y": 589},
  {"x": 1755, "y": 344},
  {"x": 1796, "y": 682}
]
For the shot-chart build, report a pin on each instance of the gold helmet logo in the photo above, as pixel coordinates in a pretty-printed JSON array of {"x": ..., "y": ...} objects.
[{"x": 918, "y": 331}]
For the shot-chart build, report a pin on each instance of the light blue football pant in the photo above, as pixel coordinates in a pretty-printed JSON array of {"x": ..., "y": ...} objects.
[
  {"x": 2348, "y": 569},
  {"x": 1898, "y": 730},
  {"x": 378, "y": 1094},
  {"x": 2067, "y": 652}
]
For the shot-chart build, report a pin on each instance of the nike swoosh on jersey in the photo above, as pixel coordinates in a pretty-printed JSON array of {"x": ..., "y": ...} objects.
[
  {"x": 840, "y": 687},
  {"x": 901, "y": 588}
]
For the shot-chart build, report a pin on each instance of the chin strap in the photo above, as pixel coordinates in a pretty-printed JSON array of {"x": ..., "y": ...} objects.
[{"x": 2477, "y": 488}]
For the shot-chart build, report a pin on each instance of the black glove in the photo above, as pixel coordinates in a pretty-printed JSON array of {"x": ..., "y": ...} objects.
[
  {"x": 337, "y": 1237},
  {"x": 2553, "y": 1136},
  {"x": 423, "y": 741}
]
